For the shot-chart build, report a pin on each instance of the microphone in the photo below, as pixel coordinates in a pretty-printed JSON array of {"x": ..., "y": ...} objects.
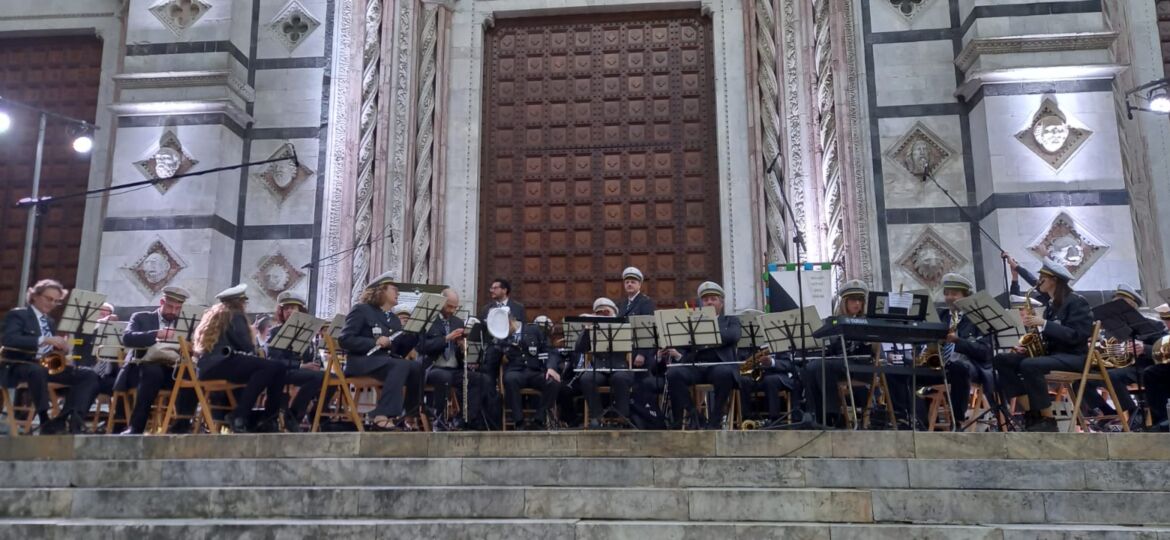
[{"x": 295, "y": 160}]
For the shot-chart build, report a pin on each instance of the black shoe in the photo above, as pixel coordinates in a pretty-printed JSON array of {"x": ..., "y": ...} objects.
[
  {"x": 76, "y": 426},
  {"x": 292, "y": 424},
  {"x": 180, "y": 427},
  {"x": 1043, "y": 425},
  {"x": 594, "y": 424},
  {"x": 54, "y": 426},
  {"x": 235, "y": 423}
]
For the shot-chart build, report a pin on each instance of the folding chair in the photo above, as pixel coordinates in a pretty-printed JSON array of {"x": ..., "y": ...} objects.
[
  {"x": 1065, "y": 379},
  {"x": 335, "y": 378}
]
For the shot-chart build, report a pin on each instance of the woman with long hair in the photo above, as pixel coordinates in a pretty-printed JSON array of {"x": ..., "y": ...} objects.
[
  {"x": 1065, "y": 328},
  {"x": 226, "y": 347},
  {"x": 820, "y": 390}
]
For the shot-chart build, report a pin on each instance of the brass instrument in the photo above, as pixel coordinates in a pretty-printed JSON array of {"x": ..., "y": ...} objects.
[
  {"x": 1161, "y": 352},
  {"x": 1032, "y": 342},
  {"x": 931, "y": 356},
  {"x": 754, "y": 366},
  {"x": 749, "y": 425},
  {"x": 1114, "y": 354},
  {"x": 54, "y": 362}
]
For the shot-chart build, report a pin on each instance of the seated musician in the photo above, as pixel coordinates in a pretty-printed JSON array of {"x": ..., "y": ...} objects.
[
  {"x": 85, "y": 352},
  {"x": 1122, "y": 377},
  {"x": 850, "y": 303},
  {"x": 376, "y": 348},
  {"x": 29, "y": 335},
  {"x": 966, "y": 353},
  {"x": 303, "y": 371},
  {"x": 619, "y": 382},
  {"x": 1065, "y": 328},
  {"x": 227, "y": 348},
  {"x": 145, "y": 329},
  {"x": 722, "y": 374},
  {"x": 778, "y": 375},
  {"x": 442, "y": 347},
  {"x": 1156, "y": 377},
  {"x": 529, "y": 362}
]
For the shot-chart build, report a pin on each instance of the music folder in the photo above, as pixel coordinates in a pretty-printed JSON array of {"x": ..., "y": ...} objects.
[{"x": 1120, "y": 320}]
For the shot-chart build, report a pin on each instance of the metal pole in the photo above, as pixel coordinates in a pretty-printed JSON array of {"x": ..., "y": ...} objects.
[{"x": 30, "y": 226}]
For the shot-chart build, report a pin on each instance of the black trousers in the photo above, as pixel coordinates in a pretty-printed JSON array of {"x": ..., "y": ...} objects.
[
  {"x": 1020, "y": 375},
  {"x": 815, "y": 384},
  {"x": 961, "y": 373},
  {"x": 771, "y": 384},
  {"x": 308, "y": 383},
  {"x": 1121, "y": 379},
  {"x": 443, "y": 379},
  {"x": 397, "y": 373},
  {"x": 679, "y": 381},
  {"x": 619, "y": 382},
  {"x": 1157, "y": 381},
  {"x": 83, "y": 386},
  {"x": 149, "y": 379},
  {"x": 257, "y": 374},
  {"x": 516, "y": 379}
]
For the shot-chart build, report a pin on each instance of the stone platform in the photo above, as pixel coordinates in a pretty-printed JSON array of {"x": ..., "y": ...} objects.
[{"x": 589, "y": 485}]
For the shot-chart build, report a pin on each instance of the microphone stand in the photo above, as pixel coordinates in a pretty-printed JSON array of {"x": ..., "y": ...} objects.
[{"x": 926, "y": 175}]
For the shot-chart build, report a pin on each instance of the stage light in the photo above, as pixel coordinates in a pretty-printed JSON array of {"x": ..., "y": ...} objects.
[
  {"x": 82, "y": 138},
  {"x": 1159, "y": 101},
  {"x": 5, "y": 121}
]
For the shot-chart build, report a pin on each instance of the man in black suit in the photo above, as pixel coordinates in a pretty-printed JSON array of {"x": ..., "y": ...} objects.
[
  {"x": 680, "y": 379},
  {"x": 377, "y": 347},
  {"x": 147, "y": 328},
  {"x": 303, "y": 371},
  {"x": 531, "y": 362},
  {"x": 29, "y": 334},
  {"x": 500, "y": 291},
  {"x": 1065, "y": 327},
  {"x": 442, "y": 346}
]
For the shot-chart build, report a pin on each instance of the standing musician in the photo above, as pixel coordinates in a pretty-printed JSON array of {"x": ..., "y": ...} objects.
[
  {"x": 377, "y": 348},
  {"x": 850, "y": 303},
  {"x": 681, "y": 378},
  {"x": 1065, "y": 328},
  {"x": 648, "y": 384},
  {"x": 145, "y": 329},
  {"x": 619, "y": 382},
  {"x": 500, "y": 290},
  {"x": 530, "y": 363},
  {"x": 1156, "y": 377},
  {"x": 227, "y": 349},
  {"x": 443, "y": 348},
  {"x": 29, "y": 335},
  {"x": 304, "y": 371}
]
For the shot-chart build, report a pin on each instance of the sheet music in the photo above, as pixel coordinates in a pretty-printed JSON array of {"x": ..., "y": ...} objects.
[
  {"x": 425, "y": 309},
  {"x": 677, "y": 327},
  {"x": 645, "y": 330},
  {"x": 783, "y": 331},
  {"x": 81, "y": 312},
  {"x": 901, "y": 301},
  {"x": 993, "y": 319},
  {"x": 189, "y": 318},
  {"x": 611, "y": 338},
  {"x": 296, "y": 334},
  {"x": 752, "y": 332},
  {"x": 109, "y": 340}
]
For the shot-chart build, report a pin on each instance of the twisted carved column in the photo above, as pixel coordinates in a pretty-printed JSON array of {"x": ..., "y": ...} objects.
[
  {"x": 368, "y": 112},
  {"x": 424, "y": 146},
  {"x": 770, "y": 125}
]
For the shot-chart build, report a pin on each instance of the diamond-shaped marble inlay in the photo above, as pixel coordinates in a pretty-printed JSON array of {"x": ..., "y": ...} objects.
[
  {"x": 907, "y": 8},
  {"x": 1069, "y": 243},
  {"x": 166, "y": 160},
  {"x": 1051, "y": 137},
  {"x": 930, "y": 257},
  {"x": 292, "y": 25},
  {"x": 920, "y": 150},
  {"x": 282, "y": 177},
  {"x": 275, "y": 274},
  {"x": 179, "y": 15},
  {"x": 156, "y": 267}
]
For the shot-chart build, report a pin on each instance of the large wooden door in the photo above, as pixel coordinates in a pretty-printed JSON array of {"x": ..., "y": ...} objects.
[
  {"x": 599, "y": 153},
  {"x": 61, "y": 74}
]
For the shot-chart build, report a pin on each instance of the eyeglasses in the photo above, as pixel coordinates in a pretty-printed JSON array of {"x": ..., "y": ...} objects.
[{"x": 56, "y": 300}]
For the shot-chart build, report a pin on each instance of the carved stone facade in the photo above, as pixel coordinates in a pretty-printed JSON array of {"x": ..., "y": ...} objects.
[
  {"x": 1051, "y": 136},
  {"x": 930, "y": 257},
  {"x": 292, "y": 25},
  {"x": 166, "y": 160},
  {"x": 179, "y": 15},
  {"x": 1070, "y": 244}
]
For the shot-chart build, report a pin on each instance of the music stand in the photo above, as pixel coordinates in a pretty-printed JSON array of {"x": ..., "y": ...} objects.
[
  {"x": 752, "y": 336},
  {"x": 336, "y": 326},
  {"x": 424, "y": 312},
  {"x": 784, "y": 332},
  {"x": 1124, "y": 322},
  {"x": 573, "y": 327},
  {"x": 108, "y": 344},
  {"x": 296, "y": 334},
  {"x": 188, "y": 320},
  {"x": 81, "y": 310},
  {"x": 1003, "y": 326},
  {"x": 688, "y": 328}
]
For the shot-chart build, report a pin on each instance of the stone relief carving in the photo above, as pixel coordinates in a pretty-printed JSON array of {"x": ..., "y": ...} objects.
[
  {"x": 919, "y": 151},
  {"x": 399, "y": 126},
  {"x": 857, "y": 236},
  {"x": 1051, "y": 137},
  {"x": 292, "y": 25},
  {"x": 165, "y": 161},
  {"x": 157, "y": 266},
  {"x": 368, "y": 113},
  {"x": 424, "y": 147},
  {"x": 907, "y": 8},
  {"x": 275, "y": 274},
  {"x": 179, "y": 15},
  {"x": 768, "y": 85},
  {"x": 282, "y": 177},
  {"x": 1069, "y": 243},
  {"x": 929, "y": 257}
]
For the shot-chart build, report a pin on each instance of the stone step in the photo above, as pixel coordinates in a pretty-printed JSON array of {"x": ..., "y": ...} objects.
[
  {"x": 837, "y": 444},
  {"x": 958, "y": 507},
  {"x": 198, "y": 529},
  {"x": 973, "y": 474}
]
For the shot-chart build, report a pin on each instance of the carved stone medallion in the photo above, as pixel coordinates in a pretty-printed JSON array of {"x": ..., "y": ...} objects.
[
  {"x": 1069, "y": 243},
  {"x": 930, "y": 257},
  {"x": 907, "y": 8},
  {"x": 920, "y": 150},
  {"x": 179, "y": 15},
  {"x": 282, "y": 177},
  {"x": 166, "y": 160},
  {"x": 156, "y": 267},
  {"x": 292, "y": 25},
  {"x": 275, "y": 274},
  {"x": 1051, "y": 137}
]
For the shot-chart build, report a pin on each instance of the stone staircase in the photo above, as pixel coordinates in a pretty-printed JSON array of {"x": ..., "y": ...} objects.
[{"x": 589, "y": 485}]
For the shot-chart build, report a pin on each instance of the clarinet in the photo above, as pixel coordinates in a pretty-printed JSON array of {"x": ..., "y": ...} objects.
[{"x": 377, "y": 334}]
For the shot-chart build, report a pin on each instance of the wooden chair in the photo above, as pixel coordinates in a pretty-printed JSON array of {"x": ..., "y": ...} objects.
[
  {"x": 121, "y": 403},
  {"x": 737, "y": 405},
  {"x": 936, "y": 403},
  {"x": 9, "y": 410},
  {"x": 335, "y": 379},
  {"x": 504, "y": 399},
  {"x": 601, "y": 390},
  {"x": 187, "y": 378},
  {"x": 1094, "y": 370}
]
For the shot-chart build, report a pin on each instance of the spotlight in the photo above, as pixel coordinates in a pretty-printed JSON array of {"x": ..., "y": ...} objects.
[
  {"x": 1159, "y": 101},
  {"x": 82, "y": 138},
  {"x": 5, "y": 121}
]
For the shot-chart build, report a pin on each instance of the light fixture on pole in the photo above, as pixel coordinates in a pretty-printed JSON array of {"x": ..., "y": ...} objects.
[
  {"x": 1153, "y": 97},
  {"x": 5, "y": 121}
]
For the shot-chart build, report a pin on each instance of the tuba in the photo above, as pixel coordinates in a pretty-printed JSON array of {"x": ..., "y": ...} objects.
[{"x": 1032, "y": 342}]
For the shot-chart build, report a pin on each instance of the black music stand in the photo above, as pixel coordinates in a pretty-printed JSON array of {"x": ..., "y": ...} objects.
[
  {"x": 187, "y": 321},
  {"x": 688, "y": 328},
  {"x": 609, "y": 335},
  {"x": 108, "y": 343},
  {"x": 424, "y": 313},
  {"x": 791, "y": 331},
  {"x": 1006, "y": 329},
  {"x": 1124, "y": 322},
  {"x": 752, "y": 332},
  {"x": 296, "y": 334}
]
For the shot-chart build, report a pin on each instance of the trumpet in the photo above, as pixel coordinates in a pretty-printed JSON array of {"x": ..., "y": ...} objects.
[
  {"x": 54, "y": 362},
  {"x": 1032, "y": 342}
]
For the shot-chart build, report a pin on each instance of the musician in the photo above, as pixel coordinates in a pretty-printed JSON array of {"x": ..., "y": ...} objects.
[
  {"x": 1121, "y": 378},
  {"x": 227, "y": 348},
  {"x": 443, "y": 348},
  {"x": 145, "y": 329},
  {"x": 681, "y": 378},
  {"x": 1156, "y": 379},
  {"x": 779, "y": 375},
  {"x": 30, "y": 334},
  {"x": 529, "y": 362},
  {"x": 377, "y": 348},
  {"x": 1065, "y": 328},
  {"x": 619, "y": 382},
  {"x": 500, "y": 290},
  {"x": 85, "y": 352},
  {"x": 303, "y": 371},
  {"x": 648, "y": 384},
  {"x": 850, "y": 303}
]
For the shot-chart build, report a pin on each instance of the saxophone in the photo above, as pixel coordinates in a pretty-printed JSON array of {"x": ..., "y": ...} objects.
[
  {"x": 1032, "y": 342},
  {"x": 931, "y": 356},
  {"x": 754, "y": 366}
]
